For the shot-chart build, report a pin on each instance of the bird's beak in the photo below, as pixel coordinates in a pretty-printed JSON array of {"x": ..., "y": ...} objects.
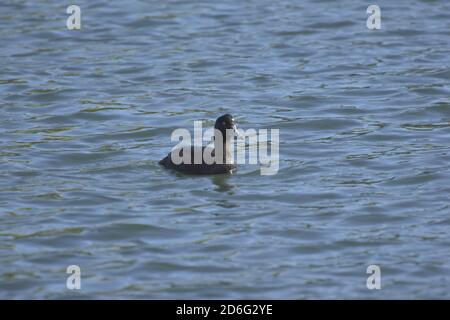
[{"x": 236, "y": 131}]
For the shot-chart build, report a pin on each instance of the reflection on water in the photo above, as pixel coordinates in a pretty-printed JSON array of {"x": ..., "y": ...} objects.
[
  {"x": 222, "y": 184},
  {"x": 364, "y": 149}
]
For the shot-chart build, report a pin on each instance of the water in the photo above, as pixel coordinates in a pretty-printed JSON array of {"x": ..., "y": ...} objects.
[{"x": 364, "y": 119}]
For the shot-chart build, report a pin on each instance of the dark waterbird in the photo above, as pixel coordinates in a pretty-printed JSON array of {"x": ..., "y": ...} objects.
[{"x": 222, "y": 143}]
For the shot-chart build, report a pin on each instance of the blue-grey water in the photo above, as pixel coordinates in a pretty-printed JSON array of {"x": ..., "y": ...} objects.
[{"x": 364, "y": 120}]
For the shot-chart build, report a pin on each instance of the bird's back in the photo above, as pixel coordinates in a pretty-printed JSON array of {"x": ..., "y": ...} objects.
[{"x": 193, "y": 168}]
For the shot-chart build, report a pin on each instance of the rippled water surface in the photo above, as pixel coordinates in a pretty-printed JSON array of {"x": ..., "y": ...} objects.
[{"x": 364, "y": 119}]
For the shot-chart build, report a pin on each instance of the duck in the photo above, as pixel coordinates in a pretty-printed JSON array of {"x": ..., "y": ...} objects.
[{"x": 222, "y": 143}]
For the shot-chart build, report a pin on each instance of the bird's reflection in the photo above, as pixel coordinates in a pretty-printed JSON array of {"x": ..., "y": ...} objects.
[{"x": 222, "y": 183}]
